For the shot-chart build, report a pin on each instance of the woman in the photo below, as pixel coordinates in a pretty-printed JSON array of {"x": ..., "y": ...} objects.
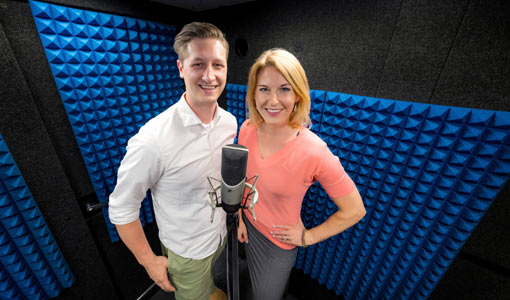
[{"x": 288, "y": 158}]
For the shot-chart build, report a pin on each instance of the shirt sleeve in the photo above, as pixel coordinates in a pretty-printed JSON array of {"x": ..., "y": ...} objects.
[
  {"x": 139, "y": 170},
  {"x": 332, "y": 176}
]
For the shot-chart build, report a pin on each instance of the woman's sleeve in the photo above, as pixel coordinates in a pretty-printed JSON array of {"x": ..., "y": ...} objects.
[{"x": 332, "y": 176}]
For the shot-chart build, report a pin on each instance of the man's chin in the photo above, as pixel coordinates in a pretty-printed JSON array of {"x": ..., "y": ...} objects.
[{"x": 211, "y": 96}]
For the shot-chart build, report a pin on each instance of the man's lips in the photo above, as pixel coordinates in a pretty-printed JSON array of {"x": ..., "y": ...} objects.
[{"x": 207, "y": 87}]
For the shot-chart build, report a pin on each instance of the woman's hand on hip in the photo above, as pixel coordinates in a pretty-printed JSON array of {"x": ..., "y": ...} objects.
[{"x": 289, "y": 234}]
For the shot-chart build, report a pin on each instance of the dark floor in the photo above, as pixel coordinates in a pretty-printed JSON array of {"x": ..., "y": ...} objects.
[
  {"x": 301, "y": 286},
  {"x": 161, "y": 295}
]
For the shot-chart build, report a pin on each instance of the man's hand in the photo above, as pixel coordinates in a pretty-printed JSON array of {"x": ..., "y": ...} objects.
[
  {"x": 157, "y": 270},
  {"x": 156, "y": 266}
]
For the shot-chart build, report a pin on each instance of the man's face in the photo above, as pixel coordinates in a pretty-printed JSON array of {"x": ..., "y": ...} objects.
[{"x": 204, "y": 70}]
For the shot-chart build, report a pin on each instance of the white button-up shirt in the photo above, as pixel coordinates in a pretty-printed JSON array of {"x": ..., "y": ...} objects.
[{"x": 172, "y": 155}]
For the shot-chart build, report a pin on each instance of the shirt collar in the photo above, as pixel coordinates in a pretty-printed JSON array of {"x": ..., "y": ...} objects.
[{"x": 189, "y": 118}]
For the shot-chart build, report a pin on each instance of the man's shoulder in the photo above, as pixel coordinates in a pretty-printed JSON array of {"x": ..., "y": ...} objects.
[
  {"x": 226, "y": 114},
  {"x": 168, "y": 115},
  {"x": 155, "y": 126}
]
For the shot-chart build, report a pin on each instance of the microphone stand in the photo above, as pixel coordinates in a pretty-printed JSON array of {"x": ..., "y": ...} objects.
[
  {"x": 232, "y": 257},
  {"x": 232, "y": 225}
]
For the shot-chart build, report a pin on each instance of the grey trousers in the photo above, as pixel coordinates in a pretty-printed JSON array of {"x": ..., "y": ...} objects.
[{"x": 269, "y": 265}]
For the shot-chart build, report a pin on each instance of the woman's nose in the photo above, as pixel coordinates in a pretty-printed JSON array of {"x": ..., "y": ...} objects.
[{"x": 273, "y": 97}]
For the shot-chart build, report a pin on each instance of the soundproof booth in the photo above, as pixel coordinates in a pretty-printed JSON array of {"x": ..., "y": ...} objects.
[{"x": 412, "y": 96}]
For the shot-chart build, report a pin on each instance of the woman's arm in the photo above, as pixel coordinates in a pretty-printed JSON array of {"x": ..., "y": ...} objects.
[
  {"x": 350, "y": 211},
  {"x": 242, "y": 233}
]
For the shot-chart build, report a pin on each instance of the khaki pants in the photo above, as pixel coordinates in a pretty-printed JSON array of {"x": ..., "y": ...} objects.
[{"x": 192, "y": 278}]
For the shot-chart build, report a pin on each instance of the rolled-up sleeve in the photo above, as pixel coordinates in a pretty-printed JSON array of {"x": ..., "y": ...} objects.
[{"x": 139, "y": 170}]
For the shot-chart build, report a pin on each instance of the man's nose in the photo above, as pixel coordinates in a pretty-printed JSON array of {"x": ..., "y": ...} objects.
[{"x": 208, "y": 74}]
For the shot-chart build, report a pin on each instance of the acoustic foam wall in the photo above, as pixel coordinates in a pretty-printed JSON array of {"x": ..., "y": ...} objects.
[
  {"x": 426, "y": 173},
  {"x": 114, "y": 74},
  {"x": 236, "y": 101},
  {"x": 32, "y": 266}
]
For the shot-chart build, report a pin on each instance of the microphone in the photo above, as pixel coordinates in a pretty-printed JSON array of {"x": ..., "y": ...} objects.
[{"x": 234, "y": 159}]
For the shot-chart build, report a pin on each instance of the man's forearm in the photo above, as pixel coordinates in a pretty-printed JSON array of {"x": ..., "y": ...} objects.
[{"x": 134, "y": 238}]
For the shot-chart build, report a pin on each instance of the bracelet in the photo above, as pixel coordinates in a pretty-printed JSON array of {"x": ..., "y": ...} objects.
[{"x": 303, "y": 244}]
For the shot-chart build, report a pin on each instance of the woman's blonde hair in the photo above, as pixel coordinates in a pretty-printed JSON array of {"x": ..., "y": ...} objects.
[{"x": 288, "y": 65}]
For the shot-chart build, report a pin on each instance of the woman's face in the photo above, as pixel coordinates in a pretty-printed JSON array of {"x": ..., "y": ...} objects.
[{"x": 274, "y": 97}]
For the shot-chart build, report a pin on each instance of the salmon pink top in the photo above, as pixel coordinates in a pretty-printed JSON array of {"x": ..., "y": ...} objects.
[{"x": 285, "y": 176}]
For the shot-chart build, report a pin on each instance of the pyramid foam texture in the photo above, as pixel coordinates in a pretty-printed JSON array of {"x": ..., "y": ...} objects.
[
  {"x": 32, "y": 265},
  {"x": 426, "y": 173},
  {"x": 236, "y": 103},
  {"x": 113, "y": 73}
]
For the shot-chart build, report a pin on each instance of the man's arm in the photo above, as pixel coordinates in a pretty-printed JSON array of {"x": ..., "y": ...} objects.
[
  {"x": 156, "y": 266},
  {"x": 138, "y": 171}
]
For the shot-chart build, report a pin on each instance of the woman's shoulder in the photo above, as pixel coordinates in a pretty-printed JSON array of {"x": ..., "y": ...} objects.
[
  {"x": 313, "y": 141},
  {"x": 248, "y": 126},
  {"x": 248, "y": 129}
]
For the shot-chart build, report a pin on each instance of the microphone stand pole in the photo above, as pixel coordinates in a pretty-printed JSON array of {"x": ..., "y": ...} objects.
[{"x": 232, "y": 257}]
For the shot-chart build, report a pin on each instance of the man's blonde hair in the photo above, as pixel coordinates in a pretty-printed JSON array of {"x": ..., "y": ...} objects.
[{"x": 197, "y": 30}]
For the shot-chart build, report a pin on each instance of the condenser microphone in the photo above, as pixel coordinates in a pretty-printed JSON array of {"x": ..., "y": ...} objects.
[{"x": 234, "y": 159}]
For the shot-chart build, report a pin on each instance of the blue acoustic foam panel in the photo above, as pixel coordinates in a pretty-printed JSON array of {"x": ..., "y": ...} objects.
[
  {"x": 426, "y": 173},
  {"x": 114, "y": 74},
  {"x": 236, "y": 103},
  {"x": 317, "y": 99},
  {"x": 32, "y": 265}
]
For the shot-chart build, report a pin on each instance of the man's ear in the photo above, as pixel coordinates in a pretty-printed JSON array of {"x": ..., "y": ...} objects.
[{"x": 179, "y": 66}]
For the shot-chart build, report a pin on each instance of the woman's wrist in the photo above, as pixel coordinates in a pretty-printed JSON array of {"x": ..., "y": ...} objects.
[
  {"x": 303, "y": 238},
  {"x": 307, "y": 237}
]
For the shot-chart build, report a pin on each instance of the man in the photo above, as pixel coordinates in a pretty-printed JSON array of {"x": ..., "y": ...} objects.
[{"x": 172, "y": 155}]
